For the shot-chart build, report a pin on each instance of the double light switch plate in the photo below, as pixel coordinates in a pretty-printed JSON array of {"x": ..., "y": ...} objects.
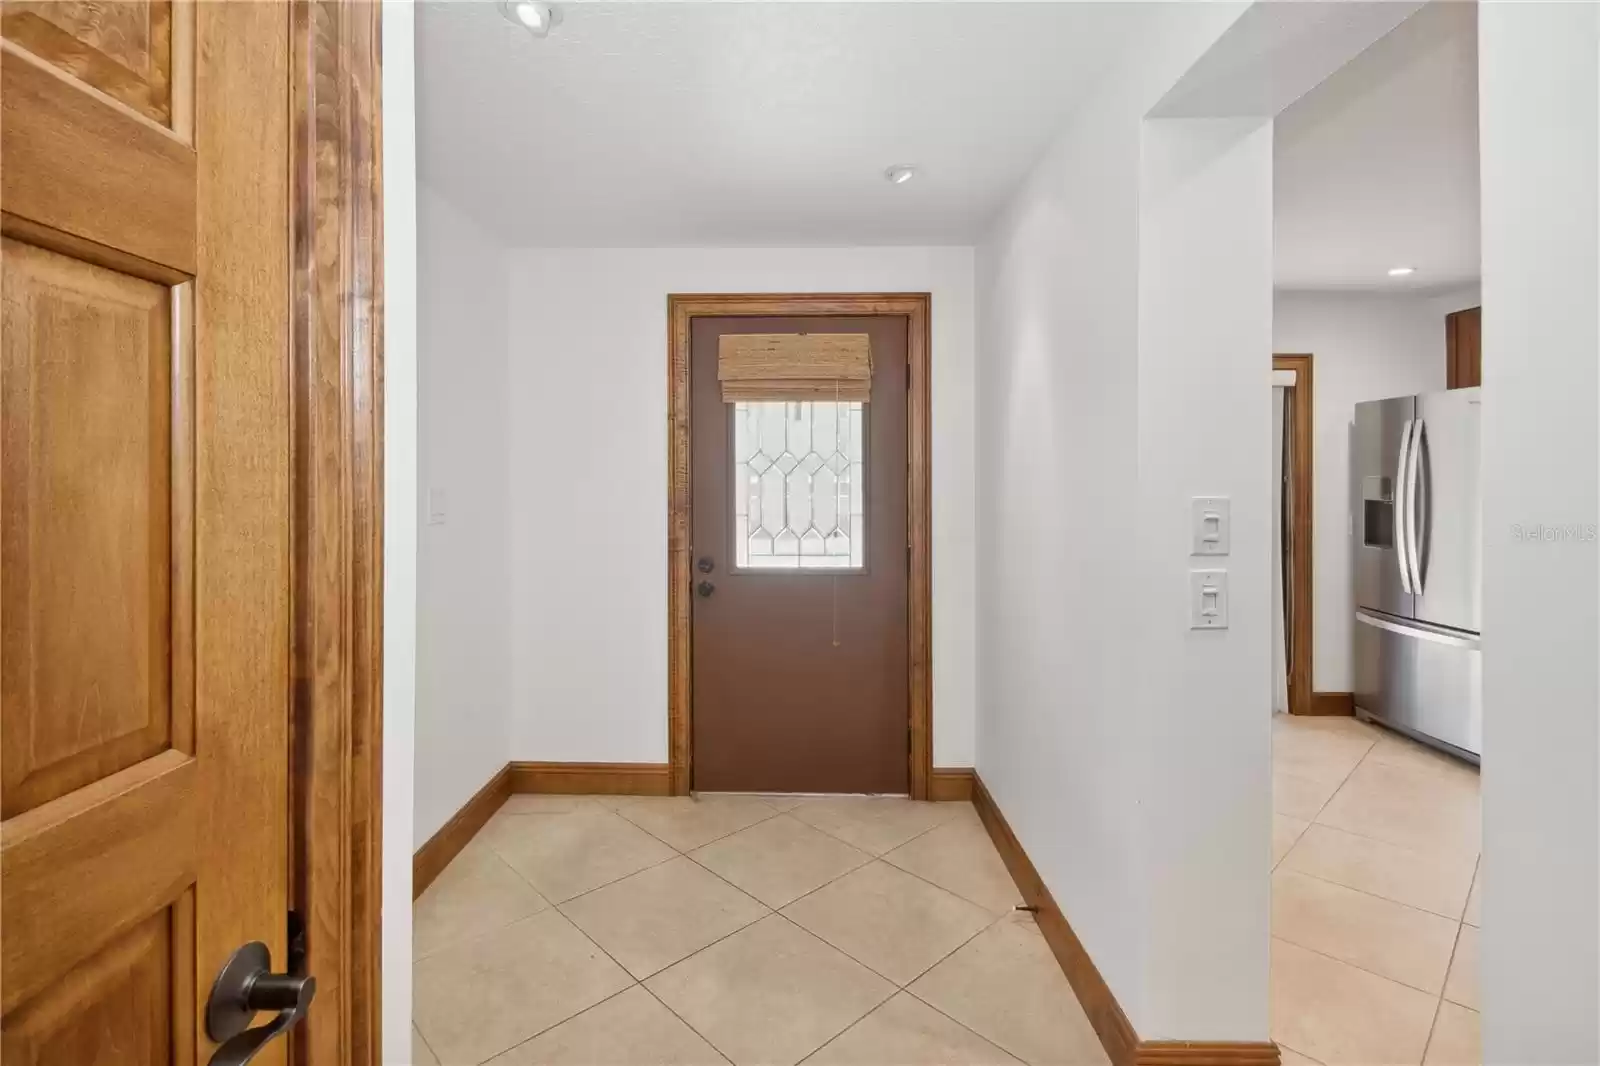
[{"x": 1208, "y": 589}]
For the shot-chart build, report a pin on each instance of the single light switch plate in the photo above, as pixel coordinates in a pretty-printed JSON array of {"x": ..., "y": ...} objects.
[
  {"x": 437, "y": 507},
  {"x": 1208, "y": 599},
  {"x": 1208, "y": 521}
]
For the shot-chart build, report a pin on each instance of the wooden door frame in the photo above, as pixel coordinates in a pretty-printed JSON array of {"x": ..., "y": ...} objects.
[
  {"x": 336, "y": 596},
  {"x": 1300, "y": 675},
  {"x": 682, "y": 310}
]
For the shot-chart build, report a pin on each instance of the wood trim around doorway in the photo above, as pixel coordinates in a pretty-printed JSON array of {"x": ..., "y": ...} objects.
[
  {"x": 1300, "y": 701},
  {"x": 681, "y": 311},
  {"x": 336, "y": 593}
]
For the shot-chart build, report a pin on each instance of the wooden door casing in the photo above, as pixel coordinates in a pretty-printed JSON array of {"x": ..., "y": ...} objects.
[
  {"x": 336, "y": 256},
  {"x": 1463, "y": 345},
  {"x": 144, "y": 545}
]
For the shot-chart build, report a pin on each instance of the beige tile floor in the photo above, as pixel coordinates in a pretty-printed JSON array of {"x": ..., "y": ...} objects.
[
  {"x": 1375, "y": 845},
  {"x": 607, "y": 931}
]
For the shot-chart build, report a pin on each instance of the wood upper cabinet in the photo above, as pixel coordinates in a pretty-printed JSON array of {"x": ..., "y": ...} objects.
[
  {"x": 144, "y": 519},
  {"x": 1463, "y": 344}
]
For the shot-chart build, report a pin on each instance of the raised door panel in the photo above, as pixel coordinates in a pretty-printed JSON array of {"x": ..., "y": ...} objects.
[
  {"x": 123, "y": 48},
  {"x": 86, "y": 175},
  {"x": 86, "y": 550},
  {"x": 118, "y": 1008}
]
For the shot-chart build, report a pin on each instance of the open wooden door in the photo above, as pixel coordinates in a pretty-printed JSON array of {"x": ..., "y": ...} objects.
[{"x": 145, "y": 542}]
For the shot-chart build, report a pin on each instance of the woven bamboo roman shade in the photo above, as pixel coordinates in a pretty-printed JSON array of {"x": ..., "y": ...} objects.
[{"x": 795, "y": 366}]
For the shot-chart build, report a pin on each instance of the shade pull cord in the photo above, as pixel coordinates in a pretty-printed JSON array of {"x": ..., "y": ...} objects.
[{"x": 836, "y": 576}]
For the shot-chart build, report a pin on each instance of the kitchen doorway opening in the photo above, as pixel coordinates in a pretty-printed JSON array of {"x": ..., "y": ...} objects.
[{"x": 1292, "y": 610}]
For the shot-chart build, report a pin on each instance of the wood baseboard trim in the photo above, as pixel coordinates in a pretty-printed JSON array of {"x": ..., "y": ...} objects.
[
  {"x": 431, "y": 859},
  {"x": 1105, "y": 1014},
  {"x": 950, "y": 784},
  {"x": 592, "y": 778},
  {"x": 1328, "y": 704},
  {"x": 1116, "y": 1032}
]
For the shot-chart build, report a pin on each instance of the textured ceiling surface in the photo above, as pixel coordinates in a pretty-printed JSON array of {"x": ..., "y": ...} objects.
[{"x": 750, "y": 123}]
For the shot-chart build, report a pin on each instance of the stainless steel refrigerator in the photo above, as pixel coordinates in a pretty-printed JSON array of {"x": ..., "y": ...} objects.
[{"x": 1417, "y": 565}]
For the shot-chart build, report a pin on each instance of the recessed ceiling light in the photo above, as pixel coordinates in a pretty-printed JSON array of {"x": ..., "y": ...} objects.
[
  {"x": 1402, "y": 272},
  {"x": 535, "y": 16},
  {"x": 900, "y": 173}
]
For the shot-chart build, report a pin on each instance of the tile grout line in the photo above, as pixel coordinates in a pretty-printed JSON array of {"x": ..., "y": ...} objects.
[
  {"x": 1438, "y": 1006},
  {"x": 759, "y": 821},
  {"x": 1343, "y": 781},
  {"x": 920, "y": 973},
  {"x": 1421, "y": 853},
  {"x": 918, "y": 834},
  {"x": 558, "y": 903},
  {"x": 548, "y": 905},
  {"x": 1477, "y": 868},
  {"x": 1381, "y": 840},
  {"x": 908, "y": 990},
  {"x": 416, "y": 1031},
  {"x": 1297, "y": 1051},
  {"x": 1363, "y": 969},
  {"x": 633, "y": 981},
  {"x": 1298, "y": 837},
  {"x": 871, "y": 858},
  {"x": 1372, "y": 895},
  {"x": 949, "y": 891},
  {"x": 770, "y": 914},
  {"x": 852, "y": 1022},
  {"x": 638, "y": 982},
  {"x": 1433, "y": 1026},
  {"x": 704, "y": 947},
  {"x": 803, "y": 895},
  {"x": 686, "y": 1023},
  {"x": 1454, "y": 948},
  {"x": 970, "y": 1029},
  {"x": 563, "y": 1021}
]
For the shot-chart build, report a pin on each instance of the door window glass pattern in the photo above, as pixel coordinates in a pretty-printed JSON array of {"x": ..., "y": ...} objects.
[{"x": 799, "y": 485}]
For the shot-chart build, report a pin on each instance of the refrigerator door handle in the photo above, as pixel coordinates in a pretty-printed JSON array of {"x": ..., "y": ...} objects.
[
  {"x": 1416, "y": 519},
  {"x": 1420, "y": 630},
  {"x": 1402, "y": 495}
]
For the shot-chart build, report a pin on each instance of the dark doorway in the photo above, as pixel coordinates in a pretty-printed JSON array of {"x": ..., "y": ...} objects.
[{"x": 800, "y": 617}]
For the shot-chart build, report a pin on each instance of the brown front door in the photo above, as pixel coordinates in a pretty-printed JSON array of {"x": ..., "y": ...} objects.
[
  {"x": 800, "y": 619},
  {"x": 144, "y": 519}
]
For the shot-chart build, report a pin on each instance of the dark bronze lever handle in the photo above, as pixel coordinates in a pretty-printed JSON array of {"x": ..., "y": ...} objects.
[
  {"x": 705, "y": 589},
  {"x": 246, "y": 985}
]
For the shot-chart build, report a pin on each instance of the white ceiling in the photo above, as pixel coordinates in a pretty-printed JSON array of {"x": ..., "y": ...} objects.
[
  {"x": 750, "y": 123},
  {"x": 1378, "y": 166}
]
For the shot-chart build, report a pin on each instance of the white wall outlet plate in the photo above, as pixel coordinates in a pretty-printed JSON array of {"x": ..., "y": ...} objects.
[
  {"x": 1208, "y": 524},
  {"x": 438, "y": 507},
  {"x": 1208, "y": 599}
]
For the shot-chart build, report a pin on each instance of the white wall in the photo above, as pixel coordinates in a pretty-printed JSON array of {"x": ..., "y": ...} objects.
[
  {"x": 1204, "y": 352},
  {"x": 1540, "y": 107},
  {"x": 399, "y": 516},
  {"x": 1363, "y": 346},
  {"x": 463, "y": 592},
  {"x": 1069, "y": 735},
  {"x": 1125, "y": 339},
  {"x": 588, "y": 480}
]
